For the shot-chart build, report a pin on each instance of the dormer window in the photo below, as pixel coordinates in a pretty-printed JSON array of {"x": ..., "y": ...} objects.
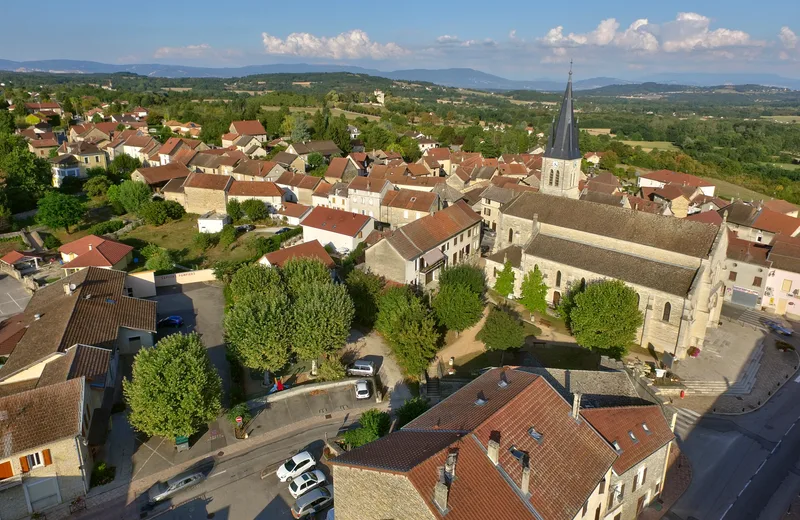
[
  {"x": 633, "y": 437},
  {"x": 646, "y": 429},
  {"x": 617, "y": 447}
]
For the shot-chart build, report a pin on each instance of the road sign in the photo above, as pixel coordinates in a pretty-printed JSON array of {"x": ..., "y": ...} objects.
[{"x": 239, "y": 420}]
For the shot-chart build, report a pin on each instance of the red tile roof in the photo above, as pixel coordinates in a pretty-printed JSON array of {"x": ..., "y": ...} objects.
[
  {"x": 207, "y": 181},
  {"x": 410, "y": 199},
  {"x": 336, "y": 167},
  {"x": 667, "y": 176},
  {"x": 312, "y": 249},
  {"x": 440, "y": 154},
  {"x": 618, "y": 423},
  {"x": 255, "y": 189},
  {"x": 159, "y": 174},
  {"x": 95, "y": 251},
  {"x": 291, "y": 209},
  {"x": 709, "y": 217},
  {"x": 422, "y": 235},
  {"x": 43, "y": 143},
  {"x": 230, "y": 136},
  {"x": 12, "y": 257},
  {"x": 336, "y": 221},
  {"x": 781, "y": 206},
  {"x": 248, "y": 128},
  {"x": 367, "y": 184},
  {"x": 775, "y": 222}
]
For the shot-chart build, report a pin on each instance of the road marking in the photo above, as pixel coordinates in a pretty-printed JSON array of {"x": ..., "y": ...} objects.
[
  {"x": 797, "y": 379},
  {"x": 726, "y": 512},
  {"x": 148, "y": 458},
  {"x": 15, "y": 301},
  {"x": 218, "y": 473},
  {"x": 745, "y": 487},
  {"x": 790, "y": 429},
  {"x": 761, "y": 466},
  {"x": 776, "y": 447}
]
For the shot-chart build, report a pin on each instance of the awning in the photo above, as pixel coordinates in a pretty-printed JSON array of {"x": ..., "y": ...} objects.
[{"x": 433, "y": 256}]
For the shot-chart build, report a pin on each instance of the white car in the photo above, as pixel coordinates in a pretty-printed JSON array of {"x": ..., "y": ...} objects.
[
  {"x": 306, "y": 482},
  {"x": 362, "y": 389},
  {"x": 295, "y": 466}
]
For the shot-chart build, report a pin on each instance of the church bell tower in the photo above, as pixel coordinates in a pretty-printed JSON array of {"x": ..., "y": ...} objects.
[{"x": 561, "y": 164}]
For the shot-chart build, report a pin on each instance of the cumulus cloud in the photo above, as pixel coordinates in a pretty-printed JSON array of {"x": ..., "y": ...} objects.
[
  {"x": 351, "y": 44},
  {"x": 447, "y": 39},
  {"x": 691, "y": 31},
  {"x": 788, "y": 38},
  {"x": 188, "y": 51}
]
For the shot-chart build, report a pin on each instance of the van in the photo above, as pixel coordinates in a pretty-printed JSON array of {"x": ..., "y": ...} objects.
[{"x": 361, "y": 367}]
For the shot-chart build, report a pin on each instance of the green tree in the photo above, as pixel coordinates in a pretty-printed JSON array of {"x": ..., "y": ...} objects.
[
  {"x": 133, "y": 194},
  {"x": 255, "y": 210},
  {"x": 205, "y": 241},
  {"x": 299, "y": 128},
  {"x": 57, "y": 210},
  {"x": 175, "y": 389},
  {"x": 605, "y": 317},
  {"x": 466, "y": 274},
  {"x": 374, "y": 425},
  {"x": 534, "y": 291},
  {"x": 504, "y": 284},
  {"x": 322, "y": 315},
  {"x": 332, "y": 369},
  {"x": 315, "y": 160},
  {"x": 338, "y": 133},
  {"x": 457, "y": 307},
  {"x": 234, "y": 210},
  {"x": 300, "y": 273},
  {"x": 123, "y": 165},
  {"x": 25, "y": 176},
  {"x": 157, "y": 258},
  {"x": 227, "y": 236},
  {"x": 257, "y": 331},
  {"x": 153, "y": 212},
  {"x": 409, "y": 327},
  {"x": 97, "y": 186},
  {"x": 365, "y": 290},
  {"x": 255, "y": 278},
  {"x": 501, "y": 331},
  {"x": 410, "y": 410}
]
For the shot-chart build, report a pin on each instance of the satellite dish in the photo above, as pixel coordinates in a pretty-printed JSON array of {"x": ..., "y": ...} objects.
[{"x": 72, "y": 287}]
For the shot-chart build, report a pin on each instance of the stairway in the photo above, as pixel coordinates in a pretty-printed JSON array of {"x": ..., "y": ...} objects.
[
  {"x": 742, "y": 386},
  {"x": 434, "y": 393}
]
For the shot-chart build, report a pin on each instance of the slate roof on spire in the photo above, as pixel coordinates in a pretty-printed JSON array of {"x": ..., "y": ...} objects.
[{"x": 563, "y": 141}]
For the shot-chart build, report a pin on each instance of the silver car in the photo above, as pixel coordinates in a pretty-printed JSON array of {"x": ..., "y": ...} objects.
[
  {"x": 361, "y": 367},
  {"x": 163, "y": 490},
  {"x": 313, "y": 502}
]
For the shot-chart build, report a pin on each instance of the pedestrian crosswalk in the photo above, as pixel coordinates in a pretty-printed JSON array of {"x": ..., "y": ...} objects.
[{"x": 686, "y": 421}]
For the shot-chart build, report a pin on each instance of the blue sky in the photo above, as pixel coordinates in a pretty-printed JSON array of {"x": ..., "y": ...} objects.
[{"x": 517, "y": 40}]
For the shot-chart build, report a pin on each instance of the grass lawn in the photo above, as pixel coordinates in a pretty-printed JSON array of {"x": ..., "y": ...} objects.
[
  {"x": 6, "y": 246},
  {"x": 652, "y": 145},
  {"x": 728, "y": 190}
]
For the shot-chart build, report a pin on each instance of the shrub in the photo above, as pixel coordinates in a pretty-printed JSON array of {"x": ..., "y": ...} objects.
[
  {"x": 174, "y": 210},
  {"x": 234, "y": 210},
  {"x": 255, "y": 209},
  {"x": 153, "y": 213},
  {"x": 239, "y": 410},
  {"x": 109, "y": 226},
  {"x": 97, "y": 186},
  {"x": 204, "y": 241},
  {"x": 410, "y": 410},
  {"x": 71, "y": 185},
  {"x": 227, "y": 236},
  {"x": 374, "y": 425},
  {"x": 331, "y": 369},
  {"x": 102, "y": 474},
  {"x": 51, "y": 242}
]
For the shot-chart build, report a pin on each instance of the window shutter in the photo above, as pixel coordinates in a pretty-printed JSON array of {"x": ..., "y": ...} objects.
[
  {"x": 23, "y": 461},
  {"x": 47, "y": 459},
  {"x": 6, "y": 471},
  {"x": 644, "y": 476}
]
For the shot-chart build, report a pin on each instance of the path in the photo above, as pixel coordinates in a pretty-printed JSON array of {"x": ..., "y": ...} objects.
[{"x": 373, "y": 347}]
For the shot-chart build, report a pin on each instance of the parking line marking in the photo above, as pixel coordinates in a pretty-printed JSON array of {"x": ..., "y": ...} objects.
[
  {"x": 148, "y": 458},
  {"x": 797, "y": 379},
  {"x": 218, "y": 473},
  {"x": 776, "y": 446}
]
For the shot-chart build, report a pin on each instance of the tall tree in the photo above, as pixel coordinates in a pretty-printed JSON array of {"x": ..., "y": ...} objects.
[
  {"x": 504, "y": 284},
  {"x": 365, "y": 290},
  {"x": 605, "y": 317},
  {"x": 466, "y": 274},
  {"x": 175, "y": 389},
  {"x": 501, "y": 331},
  {"x": 57, "y": 210},
  {"x": 133, "y": 195},
  {"x": 534, "y": 291},
  {"x": 254, "y": 278},
  {"x": 300, "y": 273},
  {"x": 322, "y": 316},
  {"x": 257, "y": 331},
  {"x": 457, "y": 307}
]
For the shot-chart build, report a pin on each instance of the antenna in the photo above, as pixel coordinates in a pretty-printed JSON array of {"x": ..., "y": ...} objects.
[{"x": 570, "y": 66}]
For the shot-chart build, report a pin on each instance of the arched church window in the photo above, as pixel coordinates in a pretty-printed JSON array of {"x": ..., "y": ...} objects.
[
  {"x": 558, "y": 176},
  {"x": 550, "y": 181},
  {"x": 510, "y": 236},
  {"x": 558, "y": 279},
  {"x": 667, "y": 311}
]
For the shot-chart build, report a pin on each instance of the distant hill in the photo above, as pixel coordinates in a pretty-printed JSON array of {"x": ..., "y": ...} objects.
[{"x": 454, "y": 77}]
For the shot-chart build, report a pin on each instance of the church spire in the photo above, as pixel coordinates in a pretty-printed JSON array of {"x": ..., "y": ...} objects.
[{"x": 563, "y": 142}]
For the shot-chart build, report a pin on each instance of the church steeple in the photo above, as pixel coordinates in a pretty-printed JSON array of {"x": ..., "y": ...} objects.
[{"x": 563, "y": 141}]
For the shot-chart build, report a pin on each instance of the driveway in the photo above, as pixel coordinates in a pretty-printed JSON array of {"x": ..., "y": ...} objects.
[
  {"x": 201, "y": 307},
  {"x": 13, "y": 297},
  {"x": 374, "y": 348}
]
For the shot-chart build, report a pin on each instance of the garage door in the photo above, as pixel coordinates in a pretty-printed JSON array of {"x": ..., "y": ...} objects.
[
  {"x": 745, "y": 299},
  {"x": 43, "y": 493}
]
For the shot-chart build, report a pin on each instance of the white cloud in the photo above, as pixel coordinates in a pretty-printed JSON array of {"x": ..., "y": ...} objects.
[
  {"x": 351, "y": 44},
  {"x": 788, "y": 38},
  {"x": 638, "y": 37},
  {"x": 448, "y": 39},
  {"x": 691, "y": 31},
  {"x": 188, "y": 51}
]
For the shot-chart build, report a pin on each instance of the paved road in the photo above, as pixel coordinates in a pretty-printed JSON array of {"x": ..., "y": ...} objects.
[{"x": 740, "y": 462}]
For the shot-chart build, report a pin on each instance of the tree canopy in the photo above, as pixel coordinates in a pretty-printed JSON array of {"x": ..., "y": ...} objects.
[
  {"x": 534, "y": 291},
  {"x": 322, "y": 316},
  {"x": 501, "y": 331},
  {"x": 57, "y": 210},
  {"x": 257, "y": 331},
  {"x": 133, "y": 195},
  {"x": 457, "y": 307},
  {"x": 504, "y": 284}
]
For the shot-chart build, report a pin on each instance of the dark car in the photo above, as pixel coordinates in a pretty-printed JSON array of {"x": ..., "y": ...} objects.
[
  {"x": 282, "y": 230},
  {"x": 171, "y": 321},
  {"x": 244, "y": 228}
]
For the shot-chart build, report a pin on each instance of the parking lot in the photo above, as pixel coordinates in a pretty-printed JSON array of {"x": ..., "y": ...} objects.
[{"x": 13, "y": 297}]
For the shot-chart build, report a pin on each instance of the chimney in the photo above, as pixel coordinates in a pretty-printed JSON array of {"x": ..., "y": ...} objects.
[
  {"x": 440, "y": 492},
  {"x": 67, "y": 289},
  {"x": 450, "y": 466},
  {"x": 90, "y": 247},
  {"x": 576, "y": 405},
  {"x": 494, "y": 451},
  {"x": 525, "y": 485}
]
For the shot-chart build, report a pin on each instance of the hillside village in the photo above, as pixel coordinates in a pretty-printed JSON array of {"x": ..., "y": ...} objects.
[{"x": 542, "y": 323}]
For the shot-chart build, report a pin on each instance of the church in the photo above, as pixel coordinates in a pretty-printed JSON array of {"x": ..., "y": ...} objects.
[{"x": 674, "y": 265}]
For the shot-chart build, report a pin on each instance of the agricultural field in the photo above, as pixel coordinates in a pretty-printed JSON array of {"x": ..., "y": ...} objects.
[
  {"x": 728, "y": 190},
  {"x": 649, "y": 146},
  {"x": 783, "y": 119},
  {"x": 785, "y": 166},
  {"x": 598, "y": 131},
  {"x": 334, "y": 112}
]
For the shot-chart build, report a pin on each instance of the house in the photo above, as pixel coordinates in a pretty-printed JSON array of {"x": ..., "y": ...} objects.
[
  {"x": 673, "y": 195},
  {"x": 341, "y": 169},
  {"x": 365, "y": 195},
  {"x": 758, "y": 224},
  {"x": 782, "y": 289},
  {"x": 674, "y": 265},
  {"x": 746, "y": 271},
  {"x": 460, "y": 178},
  {"x": 20, "y": 261},
  {"x": 138, "y": 146},
  {"x": 212, "y": 222},
  {"x": 42, "y": 147},
  {"x": 228, "y": 139},
  {"x": 492, "y": 198},
  {"x": 45, "y": 107},
  {"x": 415, "y": 253},
  {"x": 158, "y": 176},
  {"x": 142, "y": 113},
  {"x": 290, "y": 161},
  {"x": 353, "y": 131},
  {"x": 97, "y": 132},
  {"x": 311, "y": 250},
  {"x": 205, "y": 192},
  {"x": 606, "y": 182},
  {"x": 255, "y": 170},
  {"x": 660, "y": 178},
  {"x": 509, "y": 445},
  {"x": 320, "y": 195},
  {"x": 781, "y": 206},
  {"x": 325, "y": 148},
  {"x": 267, "y": 192},
  {"x": 174, "y": 145},
  {"x": 65, "y": 166},
  {"x": 95, "y": 251},
  {"x": 190, "y": 128},
  {"x": 593, "y": 157},
  {"x": 46, "y": 460},
  {"x": 293, "y": 214},
  {"x": 441, "y": 156},
  {"x": 250, "y": 146},
  {"x": 401, "y": 207},
  {"x": 426, "y": 143},
  {"x": 253, "y": 128},
  {"x": 88, "y": 154},
  {"x": 300, "y": 186},
  {"x": 342, "y": 230}
]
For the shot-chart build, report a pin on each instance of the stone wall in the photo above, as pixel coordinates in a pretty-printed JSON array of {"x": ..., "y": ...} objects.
[
  {"x": 383, "y": 260},
  {"x": 199, "y": 200},
  {"x": 655, "y": 472},
  {"x": 361, "y": 494}
]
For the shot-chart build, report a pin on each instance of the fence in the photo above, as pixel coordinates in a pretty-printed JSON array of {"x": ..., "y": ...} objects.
[{"x": 203, "y": 275}]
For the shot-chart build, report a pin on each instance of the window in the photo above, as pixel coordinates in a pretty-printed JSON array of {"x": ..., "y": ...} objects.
[
  {"x": 732, "y": 276},
  {"x": 585, "y": 508},
  {"x": 360, "y": 234},
  {"x": 85, "y": 160},
  {"x": 602, "y": 487},
  {"x": 469, "y": 233},
  {"x": 96, "y": 158},
  {"x": 667, "y": 311},
  {"x": 558, "y": 176},
  {"x": 558, "y": 279},
  {"x": 550, "y": 179},
  {"x": 786, "y": 286},
  {"x": 35, "y": 460},
  {"x": 757, "y": 281},
  {"x": 511, "y": 236},
  {"x": 405, "y": 213}
]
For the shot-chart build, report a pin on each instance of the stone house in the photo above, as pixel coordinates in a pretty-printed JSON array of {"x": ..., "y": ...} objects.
[
  {"x": 342, "y": 169},
  {"x": 95, "y": 251},
  {"x": 293, "y": 213},
  {"x": 170, "y": 149},
  {"x": 158, "y": 176},
  {"x": 249, "y": 145},
  {"x": 441, "y": 156},
  {"x": 781, "y": 206},
  {"x": 267, "y": 192},
  {"x": 95, "y": 132},
  {"x": 253, "y": 128},
  {"x": 416, "y": 253},
  {"x": 42, "y": 147},
  {"x": 782, "y": 290},
  {"x": 300, "y": 187},
  {"x": 746, "y": 271},
  {"x": 46, "y": 461},
  {"x": 87, "y": 153},
  {"x": 290, "y": 161},
  {"x": 492, "y": 198},
  {"x": 507, "y": 446},
  {"x": 675, "y": 265},
  {"x": 325, "y": 148},
  {"x": 342, "y": 230},
  {"x": 401, "y": 207},
  {"x": 204, "y": 192},
  {"x": 365, "y": 195},
  {"x": 255, "y": 170},
  {"x": 757, "y": 223}
]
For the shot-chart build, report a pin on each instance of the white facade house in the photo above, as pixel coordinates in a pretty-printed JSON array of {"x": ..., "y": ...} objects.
[
  {"x": 340, "y": 229},
  {"x": 212, "y": 222},
  {"x": 782, "y": 290},
  {"x": 661, "y": 178}
]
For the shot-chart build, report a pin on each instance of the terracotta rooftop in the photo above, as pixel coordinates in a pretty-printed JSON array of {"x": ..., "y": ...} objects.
[
  {"x": 291, "y": 209},
  {"x": 312, "y": 249},
  {"x": 422, "y": 235},
  {"x": 255, "y": 189},
  {"x": 336, "y": 221},
  {"x": 336, "y": 167},
  {"x": 159, "y": 174},
  {"x": 667, "y": 176},
  {"x": 95, "y": 251},
  {"x": 248, "y": 128},
  {"x": 780, "y": 206},
  {"x": 410, "y": 199},
  {"x": 367, "y": 184},
  {"x": 709, "y": 217},
  {"x": 208, "y": 181}
]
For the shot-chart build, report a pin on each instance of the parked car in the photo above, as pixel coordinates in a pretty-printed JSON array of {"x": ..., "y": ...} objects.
[
  {"x": 244, "y": 228},
  {"x": 171, "y": 321},
  {"x": 362, "y": 389},
  {"x": 296, "y": 466},
  {"x": 344, "y": 251},
  {"x": 361, "y": 367},
  {"x": 163, "y": 490},
  {"x": 778, "y": 328},
  {"x": 313, "y": 502},
  {"x": 282, "y": 231},
  {"x": 306, "y": 482}
]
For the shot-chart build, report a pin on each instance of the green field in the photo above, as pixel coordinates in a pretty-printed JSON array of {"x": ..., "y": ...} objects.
[
  {"x": 728, "y": 191},
  {"x": 334, "y": 111},
  {"x": 783, "y": 119},
  {"x": 652, "y": 145},
  {"x": 785, "y": 166}
]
